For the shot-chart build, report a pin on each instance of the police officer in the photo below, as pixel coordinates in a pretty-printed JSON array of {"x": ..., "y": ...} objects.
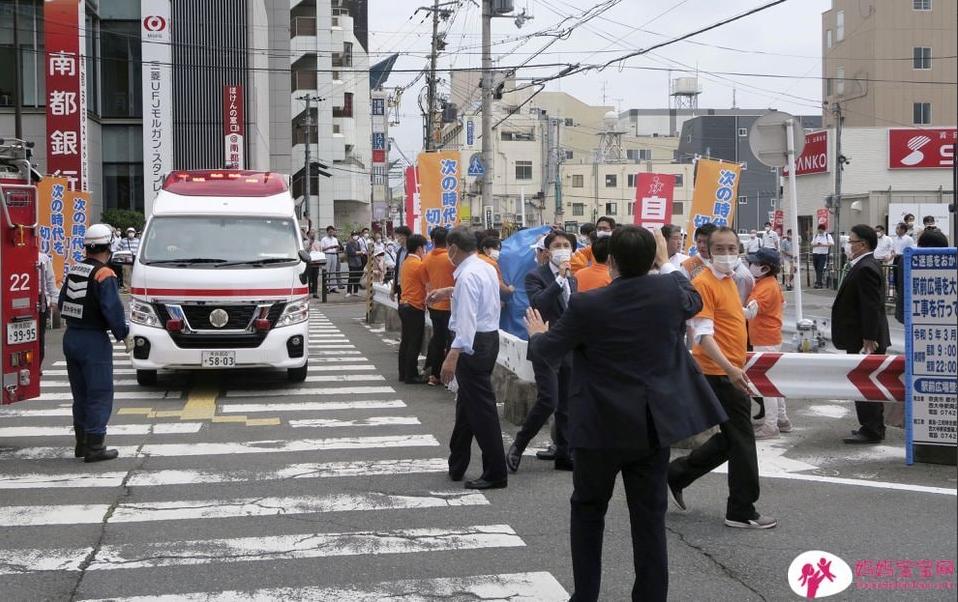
[{"x": 90, "y": 304}]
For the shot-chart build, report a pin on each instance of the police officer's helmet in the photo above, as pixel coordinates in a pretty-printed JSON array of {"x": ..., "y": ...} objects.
[{"x": 98, "y": 237}]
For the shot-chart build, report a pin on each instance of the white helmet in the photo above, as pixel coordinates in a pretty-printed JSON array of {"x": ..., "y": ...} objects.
[{"x": 98, "y": 234}]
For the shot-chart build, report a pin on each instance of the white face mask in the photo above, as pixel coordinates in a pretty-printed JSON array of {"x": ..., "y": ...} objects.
[
  {"x": 724, "y": 263},
  {"x": 847, "y": 247},
  {"x": 355, "y": 238},
  {"x": 130, "y": 234},
  {"x": 450, "y": 257},
  {"x": 756, "y": 270},
  {"x": 602, "y": 233},
  {"x": 494, "y": 253},
  {"x": 561, "y": 255}
]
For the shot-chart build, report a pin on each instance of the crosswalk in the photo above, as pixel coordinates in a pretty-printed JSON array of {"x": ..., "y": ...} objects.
[{"x": 340, "y": 477}]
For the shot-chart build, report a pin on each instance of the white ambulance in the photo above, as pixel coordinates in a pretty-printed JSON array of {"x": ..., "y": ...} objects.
[{"x": 220, "y": 278}]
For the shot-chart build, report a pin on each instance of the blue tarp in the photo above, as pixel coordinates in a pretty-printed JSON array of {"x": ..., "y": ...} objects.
[{"x": 516, "y": 259}]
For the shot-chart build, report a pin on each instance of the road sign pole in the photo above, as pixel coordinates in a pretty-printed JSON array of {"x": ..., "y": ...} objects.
[{"x": 793, "y": 218}]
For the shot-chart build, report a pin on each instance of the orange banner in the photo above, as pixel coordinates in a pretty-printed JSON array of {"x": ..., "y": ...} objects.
[
  {"x": 714, "y": 197},
  {"x": 439, "y": 175},
  {"x": 63, "y": 222}
]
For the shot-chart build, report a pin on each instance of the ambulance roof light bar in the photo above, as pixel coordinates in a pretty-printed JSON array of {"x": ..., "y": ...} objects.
[{"x": 225, "y": 182}]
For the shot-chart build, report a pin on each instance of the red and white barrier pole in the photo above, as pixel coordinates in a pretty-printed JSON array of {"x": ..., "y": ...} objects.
[{"x": 827, "y": 376}]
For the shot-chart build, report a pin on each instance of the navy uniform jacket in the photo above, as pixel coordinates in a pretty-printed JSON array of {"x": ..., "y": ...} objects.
[
  {"x": 858, "y": 312},
  {"x": 93, "y": 286},
  {"x": 630, "y": 363}
]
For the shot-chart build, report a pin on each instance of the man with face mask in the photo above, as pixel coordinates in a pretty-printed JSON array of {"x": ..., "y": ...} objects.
[
  {"x": 402, "y": 234},
  {"x": 583, "y": 257},
  {"x": 720, "y": 349},
  {"x": 700, "y": 262},
  {"x": 549, "y": 288},
  {"x": 821, "y": 247},
  {"x": 885, "y": 251},
  {"x": 754, "y": 242}
]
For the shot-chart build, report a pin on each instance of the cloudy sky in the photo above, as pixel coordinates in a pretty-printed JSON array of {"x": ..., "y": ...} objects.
[{"x": 780, "y": 45}]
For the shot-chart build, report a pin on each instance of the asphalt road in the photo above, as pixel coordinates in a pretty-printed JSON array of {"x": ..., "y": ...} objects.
[{"x": 335, "y": 489}]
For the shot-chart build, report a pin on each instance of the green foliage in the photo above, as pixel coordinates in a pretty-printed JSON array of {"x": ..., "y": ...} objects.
[{"x": 123, "y": 219}]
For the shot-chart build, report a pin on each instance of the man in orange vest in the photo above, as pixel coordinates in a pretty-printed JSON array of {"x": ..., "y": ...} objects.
[{"x": 437, "y": 273}]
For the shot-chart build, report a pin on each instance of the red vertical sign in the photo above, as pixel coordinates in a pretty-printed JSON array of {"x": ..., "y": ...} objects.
[
  {"x": 778, "y": 222},
  {"x": 653, "y": 199},
  {"x": 822, "y": 218},
  {"x": 412, "y": 198},
  {"x": 234, "y": 127},
  {"x": 65, "y": 69}
]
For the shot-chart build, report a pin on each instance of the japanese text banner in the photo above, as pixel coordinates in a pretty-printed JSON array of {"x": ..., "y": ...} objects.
[
  {"x": 439, "y": 175},
  {"x": 653, "y": 199},
  {"x": 63, "y": 223},
  {"x": 65, "y": 74},
  {"x": 713, "y": 200}
]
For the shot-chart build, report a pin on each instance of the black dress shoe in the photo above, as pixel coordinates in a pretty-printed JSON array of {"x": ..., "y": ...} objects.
[
  {"x": 547, "y": 454},
  {"x": 484, "y": 484},
  {"x": 513, "y": 457},
  {"x": 563, "y": 463},
  {"x": 857, "y": 438},
  {"x": 455, "y": 478}
]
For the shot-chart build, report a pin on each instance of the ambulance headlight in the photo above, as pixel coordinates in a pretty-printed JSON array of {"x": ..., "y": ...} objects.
[
  {"x": 143, "y": 313},
  {"x": 295, "y": 312}
]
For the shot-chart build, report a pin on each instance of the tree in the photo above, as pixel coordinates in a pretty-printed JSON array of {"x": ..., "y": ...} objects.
[{"x": 123, "y": 219}]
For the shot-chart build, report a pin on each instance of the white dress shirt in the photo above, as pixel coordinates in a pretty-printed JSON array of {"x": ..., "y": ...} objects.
[
  {"x": 329, "y": 241},
  {"x": 822, "y": 238},
  {"x": 677, "y": 260},
  {"x": 903, "y": 242},
  {"x": 885, "y": 249},
  {"x": 475, "y": 302},
  {"x": 561, "y": 281},
  {"x": 770, "y": 240},
  {"x": 48, "y": 283},
  {"x": 753, "y": 244}
]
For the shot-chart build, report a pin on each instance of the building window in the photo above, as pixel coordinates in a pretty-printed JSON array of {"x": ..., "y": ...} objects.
[
  {"x": 828, "y": 38},
  {"x": 840, "y": 83},
  {"x": 523, "y": 170},
  {"x": 922, "y": 57},
  {"x": 840, "y": 26},
  {"x": 742, "y": 132},
  {"x": 347, "y": 54},
  {"x": 631, "y": 209},
  {"x": 578, "y": 208},
  {"x": 630, "y": 180},
  {"x": 743, "y": 200},
  {"x": 611, "y": 208},
  {"x": 568, "y": 155},
  {"x": 568, "y": 122},
  {"x": 347, "y": 109},
  {"x": 921, "y": 4},
  {"x": 830, "y": 86},
  {"x": 679, "y": 180},
  {"x": 922, "y": 112},
  {"x": 578, "y": 181},
  {"x": 611, "y": 180},
  {"x": 638, "y": 154},
  {"x": 516, "y": 136},
  {"x": 678, "y": 208}
]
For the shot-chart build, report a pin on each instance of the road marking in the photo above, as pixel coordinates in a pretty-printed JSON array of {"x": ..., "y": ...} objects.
[
  {"x": 370, "y": 421},
  {"x": 336, "y": 346},
  {"x": 337, "y": 353},
  {"x": 139, "y": 512},
  {"x": 116, "y": 395},
  {"x": 315, "y": 391},
  {"x": 177, "y": 428},
  {"x": 311, "y": 406},
  {"x": 352, "y": 358},
  {"x": 61, "y": 384},
  {"x": 200, "y": 405},
  {"x": 542, "y": 587},
  {"x": 248, "y": 549},
  {"x": 339, "y": 368},
  {"x": 158, "y": 478}
]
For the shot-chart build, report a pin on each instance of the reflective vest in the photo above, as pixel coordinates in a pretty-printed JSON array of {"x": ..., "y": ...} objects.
[{"x": 81, "y": 308}]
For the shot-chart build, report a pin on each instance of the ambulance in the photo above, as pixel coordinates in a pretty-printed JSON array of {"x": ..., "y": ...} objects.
[{"x": 220, "y": 278}]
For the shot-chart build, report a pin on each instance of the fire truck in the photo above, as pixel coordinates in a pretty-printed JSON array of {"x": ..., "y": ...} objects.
[{"x": 20, "y": 291}]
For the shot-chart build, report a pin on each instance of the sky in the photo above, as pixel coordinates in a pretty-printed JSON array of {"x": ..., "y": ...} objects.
[{"x": 783, "y": 41}]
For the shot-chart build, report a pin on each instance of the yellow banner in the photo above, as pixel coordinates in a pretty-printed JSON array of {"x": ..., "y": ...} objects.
[
  {"x": 63, "y": 222},
  {"x": 715, "y": 195},
  {"x": 439, "y": 175}
]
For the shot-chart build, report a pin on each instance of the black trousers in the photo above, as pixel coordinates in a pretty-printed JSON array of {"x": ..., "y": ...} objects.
[
  {"x": 735, "y": 443},
  {"x": 42, "y": 334},
  {"x": 819, "y": 260},
  {"x": 476, "y": 412},
  {"x": 312, "y": 273},
  {"x": 871, "y": 414},
  {"x": 552, "y": 397},
  {"x": 413, "y": 326},
  {"x": 644, "y": 475},
  {"x": 355, "y": 273},
  {"x": 118, "y": 269},
  {"x": 439, "y": 343}
]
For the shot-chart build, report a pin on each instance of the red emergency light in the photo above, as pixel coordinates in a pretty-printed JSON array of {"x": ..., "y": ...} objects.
[
  {"x": 261, "y": 324},
  {"x": 225, "y": 182},
  {"x": 174, "y": 325}
]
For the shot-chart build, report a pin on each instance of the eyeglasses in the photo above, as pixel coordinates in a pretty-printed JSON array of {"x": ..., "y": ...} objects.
[{"x": 852, "y": 242}]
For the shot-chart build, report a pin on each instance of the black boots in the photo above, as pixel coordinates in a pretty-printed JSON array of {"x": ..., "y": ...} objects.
[
  {"x": 96, "y": 451},
  {"x": 80, "y": 450}
]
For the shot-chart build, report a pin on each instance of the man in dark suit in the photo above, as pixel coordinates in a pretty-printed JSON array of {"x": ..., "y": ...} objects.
[
  {"x": 635, "y": 391},
  {"x": 859, "y": 324},
  {"x": 549, "y": 288}
]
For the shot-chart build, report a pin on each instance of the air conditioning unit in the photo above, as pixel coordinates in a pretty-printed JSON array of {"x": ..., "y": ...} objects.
[{"x": 476, "y": 221}]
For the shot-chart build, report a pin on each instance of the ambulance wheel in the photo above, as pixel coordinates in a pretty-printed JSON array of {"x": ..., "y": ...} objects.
[
  {"x": 296, "y": 375},
  {"x": 146, "y": 378}
]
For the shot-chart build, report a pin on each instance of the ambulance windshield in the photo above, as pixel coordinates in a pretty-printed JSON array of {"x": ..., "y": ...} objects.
[{"x": 209, "y": 242}]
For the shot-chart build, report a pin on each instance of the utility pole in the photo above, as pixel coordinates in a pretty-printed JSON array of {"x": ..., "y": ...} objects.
[
  {"x": 487, "y": 159},
  {"x": 307, "y": 171},
  {"x": 17, "y": 79},
  {"x": 837, "y": 197},
  {"x": 429, "y": 138}
]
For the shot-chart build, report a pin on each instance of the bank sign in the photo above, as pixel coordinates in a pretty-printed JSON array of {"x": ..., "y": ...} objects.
[
  {"x": 914, "y": 148},
  {"x": 814, "y": 158}
]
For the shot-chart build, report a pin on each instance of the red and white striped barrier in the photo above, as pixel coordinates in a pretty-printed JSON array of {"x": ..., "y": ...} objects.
[{"x": 827, "y": 376}]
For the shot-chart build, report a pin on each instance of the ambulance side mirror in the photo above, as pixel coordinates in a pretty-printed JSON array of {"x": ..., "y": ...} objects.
[{"x": 303, "y": 256}]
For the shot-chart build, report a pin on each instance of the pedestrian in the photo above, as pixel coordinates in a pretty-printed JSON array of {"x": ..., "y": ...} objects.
[
  {"x": 379, "y": 265},
  {"x": 637, "y": 392},
  {"x": 48, "y": 298},
  {"x": 770, "y": 239},
  {"x": 437, "y": 275},
  {"x": 330, "y": 247},
  {"x": 114, "y": 263},
  {"x": 675, "y": 240},
  {"x": 885, "y": 251},
  {"x": 131, "y": 244},
  {"x": 402, "y": 235},
  {"x": 754, "y": 242},
  {"x": 90, "y": 305},
  {"x": 474, "y": 328},
  {"x": 859, "y": 324},
  {"x": 354, "y": 261},
  {"x": 720, "y": 342},
  {"x": 790, "y": 249},
  {"x": 596, "y": 275},
  {"x": 489, "y": 252},
  {"x": 585, "y": 234},
  {"x": 412, "y": 310},
  {"x": 317, "y": 259},
  {"x": 583, "y": 257},
  {"x": 699, "y": 263},
  {"x": 549, "y": 288},
  {"x": 909, "y": 220},
  {"x": 364, "y": 247},
  {"x": 764, "y": 314},
  {"x": 821, "y": 247}
]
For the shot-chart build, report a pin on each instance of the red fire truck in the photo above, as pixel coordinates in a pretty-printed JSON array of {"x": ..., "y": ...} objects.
[{"x": 20, "y": 284}]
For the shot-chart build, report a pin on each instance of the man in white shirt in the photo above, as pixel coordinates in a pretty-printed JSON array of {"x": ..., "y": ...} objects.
[
  {"x": 474, "y": 326},
  {"x": 674, "y": 241},
  {"x": 885, "y": 251},
  {"x": 770, "y": 240},
  {"x": 49, "y": 293},
  {"x": 754, "y": 242},
  {"x": 821, "y": 246},
  {"x": 329, "y": 245},
  {"x": 902, "y": 240}
]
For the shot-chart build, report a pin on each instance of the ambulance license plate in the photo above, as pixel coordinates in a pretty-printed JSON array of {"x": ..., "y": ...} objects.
[
  {"x": 218, "y": 359},
  {"x": 21, "y": 332}
]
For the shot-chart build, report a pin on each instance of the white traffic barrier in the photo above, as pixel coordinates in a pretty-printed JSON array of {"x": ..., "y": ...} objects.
[{"x": 827, "y": 376}]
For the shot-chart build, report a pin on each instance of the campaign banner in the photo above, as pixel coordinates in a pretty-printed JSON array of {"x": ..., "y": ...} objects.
[
  {"x": 234, "y": 127},
  {"x": 716, "y": 186},
  {"x": 919, "y": 148},
  {"x": 439, "y": 175},
  {"x": 65, "y": 75},
  {"x": 653, "y": 199},
  {"x": 814, "y": 159},
  {"x": 157, "y": 82},
  {"x": 412, "y": 200},
  {"x": 62, "y": 224},
  {"x": 822, "y": 218}
]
